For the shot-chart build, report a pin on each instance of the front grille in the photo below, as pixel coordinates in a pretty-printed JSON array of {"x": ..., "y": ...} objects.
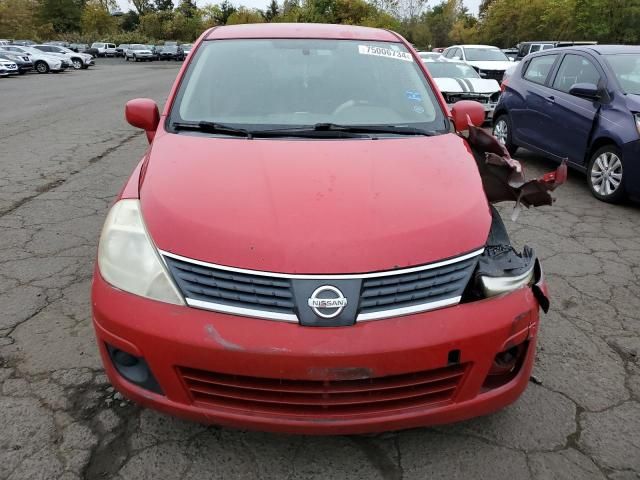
[
  {"x": 482, "y": 98},
  {"x": 410, "y": 289},
  {"x": 285, "y": 297},
  {"x": 233, "y": 289},
  {"x": 493, "y": 75},
  {"x": 256, "y": 395}
]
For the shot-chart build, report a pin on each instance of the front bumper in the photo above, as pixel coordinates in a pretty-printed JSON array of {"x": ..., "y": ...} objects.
[{"x": 287, "y": 360}]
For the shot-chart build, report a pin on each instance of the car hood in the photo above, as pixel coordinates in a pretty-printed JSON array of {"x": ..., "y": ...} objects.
[
  {"x": 491, "y": 65},
  {"x": 318, "y": 206},
  {"x": 467, "y": 85}
]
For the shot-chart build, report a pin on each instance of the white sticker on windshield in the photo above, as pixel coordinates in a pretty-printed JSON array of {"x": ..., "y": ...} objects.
[{"x": 384, "y": 52}]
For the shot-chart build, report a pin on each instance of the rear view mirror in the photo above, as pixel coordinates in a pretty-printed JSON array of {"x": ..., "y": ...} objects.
[
  {"x": 143, "y": 113},
  {"x": 466, "y": 111},
  {"x": 585, "y": 90}
]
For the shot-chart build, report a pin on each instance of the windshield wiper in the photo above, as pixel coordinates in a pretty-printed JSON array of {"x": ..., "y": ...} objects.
[
  {"x": 213, "y": 127},
  {"x": 347, "y": 130},
  {"x": 392, "y": 129}
]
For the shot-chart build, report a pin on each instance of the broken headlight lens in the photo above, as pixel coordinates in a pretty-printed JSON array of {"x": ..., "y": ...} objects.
[
  {"x": 501, "y": 268},
  {"x": 127, "y": 258},
  {"x": 492, "y": 286}
]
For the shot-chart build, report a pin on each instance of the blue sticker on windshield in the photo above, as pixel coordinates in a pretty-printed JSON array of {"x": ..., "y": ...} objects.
[
  {"x": 418, "y": 109},
  {"x": 415, "y": 96}
]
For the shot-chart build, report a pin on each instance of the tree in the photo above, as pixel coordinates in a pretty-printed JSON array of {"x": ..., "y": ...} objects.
[
  {"x": 273, "y": 10},
  {"x": 64, "y": 15},
  {"x": 96, "y": 20},
  {"x": 164, "y": 5},
  {"x": 130, "y": 21},
  {"x": 18, "y": 18},
  {"x": 142, "y": 6},
  {"x": 187, "y": 8},
  {"x": 244, "y": 15},
  {"x": 226, "y": 10}
]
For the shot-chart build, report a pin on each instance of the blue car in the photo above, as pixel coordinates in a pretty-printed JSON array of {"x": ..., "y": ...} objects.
[{"x": 581, "y": 104}]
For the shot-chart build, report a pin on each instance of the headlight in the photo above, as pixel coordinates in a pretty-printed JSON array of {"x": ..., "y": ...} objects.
[
  {"x": 128, "y": 259},
  {"x": 496, "y": 285},
  {"x": 636, "y": 117}
]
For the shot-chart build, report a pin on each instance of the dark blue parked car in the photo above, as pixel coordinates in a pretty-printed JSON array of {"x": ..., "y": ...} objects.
[{"x": 579, "y": 103}]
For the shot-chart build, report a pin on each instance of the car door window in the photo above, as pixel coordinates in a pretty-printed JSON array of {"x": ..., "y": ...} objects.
[
  {"x": 449, "y": 53},
  {"x": 458, "y": 53},
  {"x": 535, "y": 48},
  {"x": 539, "y": 67},
  {"x": 575, "y": 69}
]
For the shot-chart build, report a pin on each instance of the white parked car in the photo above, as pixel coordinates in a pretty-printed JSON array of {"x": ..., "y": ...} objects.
[
  {"x": 9, "y": 66},
  {"x": 78, "y": 60},
  {"x": 105, "y": 49},
  {"x": 42, "y": 62},
  {"x": 458, "y": 81},
  {"x": 490, "y": 62},
  {"x": 429, "y": 55},
  {"x": 138, "y": 53}
]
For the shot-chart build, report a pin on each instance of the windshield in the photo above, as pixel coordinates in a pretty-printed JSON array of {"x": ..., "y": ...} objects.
[
  {"x": 97, "y": 45},
  {"x": 262, "y": 84},
  {"x": 485, "y": 55},
  {"x": 626, "y": 68},
  {"x": 450, "y": 70},
  {"x": 137, "y": 46}
]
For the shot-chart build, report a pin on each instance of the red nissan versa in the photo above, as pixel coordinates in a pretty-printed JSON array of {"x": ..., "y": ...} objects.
[{"x": 307, "y": 245}]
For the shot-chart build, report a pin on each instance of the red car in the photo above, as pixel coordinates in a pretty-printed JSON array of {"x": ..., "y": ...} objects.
[{"x": 308, "y": 245}]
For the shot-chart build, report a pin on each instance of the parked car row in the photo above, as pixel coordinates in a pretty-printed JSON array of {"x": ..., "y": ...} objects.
[
  {"x": 141, "y": 52},
  {"x": 20, "y": 59}
]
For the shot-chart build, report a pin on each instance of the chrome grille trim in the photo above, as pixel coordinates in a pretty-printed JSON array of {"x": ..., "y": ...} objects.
[
  {"x": 292, "y": 318},
  {"x": 386, "y": 273}
]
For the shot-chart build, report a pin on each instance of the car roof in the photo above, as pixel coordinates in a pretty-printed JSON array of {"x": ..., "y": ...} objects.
[
  {"x": 597, "y": 49},
  {"x": 301, "y": 30},
  {"x": 476, "y": 46}
]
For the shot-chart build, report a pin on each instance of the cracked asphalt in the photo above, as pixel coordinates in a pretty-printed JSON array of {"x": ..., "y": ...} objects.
[{"x": 66, "y": 152}]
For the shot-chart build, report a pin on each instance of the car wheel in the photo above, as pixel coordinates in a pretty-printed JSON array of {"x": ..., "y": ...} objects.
[
  {"x": 41, "y": 67},
  {"x": 77, "y": 63},
  {"x": 502, "y": 131},
  {"x": 22, "y": 72},
  {"x": 135, "y": 59},
  {"x": 605, "y": 174}
]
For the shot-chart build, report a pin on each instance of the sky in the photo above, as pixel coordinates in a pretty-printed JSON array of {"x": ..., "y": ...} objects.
[{"x": 125, "y": 5}]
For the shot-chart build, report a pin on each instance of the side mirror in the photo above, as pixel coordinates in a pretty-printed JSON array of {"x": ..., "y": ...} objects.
[
  {"x": 467, "y": 110},
  {"x": 143, "y": 113},
  {"x": 585, "y": 90}
]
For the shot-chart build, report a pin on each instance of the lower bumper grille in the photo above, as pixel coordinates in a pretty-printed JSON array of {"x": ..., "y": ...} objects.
[{"x": 309, "y": 398}]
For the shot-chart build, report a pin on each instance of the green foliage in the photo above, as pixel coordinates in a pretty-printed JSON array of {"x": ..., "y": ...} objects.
[
  {"x": 272, "y": 11},
  {"x": 500, "y": 22},
  {"x": 245, "y": 15},
  {"x": 96, "y": 20},
  {"x": 63, "y": 15}
]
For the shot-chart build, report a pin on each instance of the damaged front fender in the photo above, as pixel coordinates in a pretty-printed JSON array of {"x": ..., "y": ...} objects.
[{"x": 503, "y": 177}]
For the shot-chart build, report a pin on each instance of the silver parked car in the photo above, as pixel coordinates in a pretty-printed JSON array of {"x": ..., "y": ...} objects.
[
  {"x": 78, "y": 60},
  {"x": 138, "y": 53},
  {"x": 42, "y": 62}
]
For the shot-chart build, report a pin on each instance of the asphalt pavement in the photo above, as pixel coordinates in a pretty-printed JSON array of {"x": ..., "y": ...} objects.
[{"x": 66, "y": 150}]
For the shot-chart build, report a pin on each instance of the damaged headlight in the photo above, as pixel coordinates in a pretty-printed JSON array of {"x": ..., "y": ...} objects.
[
  {"x": 127, "y": 258},
  {"x": 501, "y": 269}
]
